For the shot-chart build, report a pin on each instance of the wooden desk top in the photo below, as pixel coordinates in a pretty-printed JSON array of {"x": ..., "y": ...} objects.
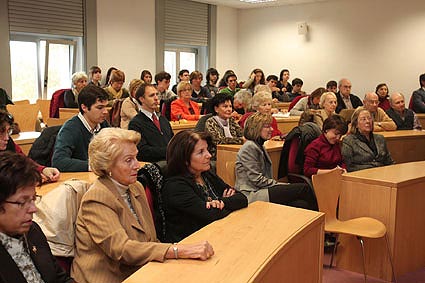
[
  {"x": 183, "y": 126},
  {"x": 402, "y": 134},
  {"x": 289, "y": 119},
  {"x": 25, "y": 137},
  {"x": 270, "y": 145},
  {"x": 393, "y": 175},
  {"x": 244, "y": 242}
]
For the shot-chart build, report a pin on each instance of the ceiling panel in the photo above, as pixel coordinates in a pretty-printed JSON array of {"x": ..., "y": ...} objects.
[{"x": 243, "y": 5}]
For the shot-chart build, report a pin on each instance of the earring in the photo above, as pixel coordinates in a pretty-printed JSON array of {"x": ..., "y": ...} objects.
[{"x": 110, "y": 174}]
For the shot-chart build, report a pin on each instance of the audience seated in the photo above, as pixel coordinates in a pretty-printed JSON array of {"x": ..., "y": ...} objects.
[
  {"x": 108, "y": 76},
  {"x": 223, "y": 82},
  {"x": 193, "y": 195},
  {"x": 49, "y": 174},
  {"x": 283, "y": 83},
  {"x": 231, "y": 81},
  {"x": 254, "y": 177},
  {"x": 146, "y": 77},
  {"x": 382, "y": 92},
  {"x": 255, "y": 78},
  {"x": 156, "y": 131},
  {"x": 363, "y": 149},
  {"x": 183, "y": 77},
  {"x": 130, "y": 106},
  {"x": 212, "y": 79},
  {"x": 24, "y": 252},
  {"x": 381, "y": 120},
  {"x": 404, "y": 118},
  {"x": 70, "y": 152},
  {"x": 328, "y": 104},
  {"x": 242, "y": 101},
  {"x": 95, "y": 76},
  {"x": 262, "y": 102},
  {"x": 162, "y": 80},
  {"x": 222, "y": 127},
  {"x": 345, "y": 99},
  {"x": 70, "y": 97},
  {"x": 199, "y": 93},
  {"x": 184, "y": 107},
  {"x": 331, "y": 86},
  {"x": 324, "y": 153},
  {"x": 418, "y": 97},
  {"x": 272, "y": 84},
  {"x": 115, "y": 89},
  {"x": 115, "y": 232},
  {"x": 309, "y": 102}
]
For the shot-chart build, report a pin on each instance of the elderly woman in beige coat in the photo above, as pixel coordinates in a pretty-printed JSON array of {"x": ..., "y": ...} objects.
[
  {"x": 115, "y": 233},
  {"x": 254, "y": 169}
]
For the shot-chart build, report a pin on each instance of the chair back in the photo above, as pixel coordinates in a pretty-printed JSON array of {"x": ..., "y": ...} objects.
[
  {"x": 19, "y": 102},
  {"x": 200, "y": 125},
  {"x": 295, "y": 101},
  {"x": 328, "y": 188},
  {"x": 346, "y": 114},
  {"x": 411, "y": 103},
  {"x": 25, "y": 115},
  {"x": 293, "y": 167},
  {"x": 230, "y": 173},
  {"x": 57, "y": 102},
  {"x": 44, "y": 107}
]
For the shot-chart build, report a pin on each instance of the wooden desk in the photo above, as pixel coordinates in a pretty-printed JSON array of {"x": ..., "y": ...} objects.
[
  {"x": 25, "y": 140},
  {"x": 228, "y": 152},
  {"x": 282, "y": 105},
  {"x": 285, "y": 125},
  {"x": 177, "y": 127},
  {"x": 394, "y": 195},
  {"x": 262, "y": 243},
  {"x": 405, "y": 146}
]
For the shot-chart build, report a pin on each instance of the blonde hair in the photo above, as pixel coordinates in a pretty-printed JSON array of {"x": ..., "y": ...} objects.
[
  {"x": 254, "y": 124},
  {"x": 324, "y": 96},
  {"x": 260, "y": 97},
  {"x": 182, "y": 85},
  {"x": 134, "y": 86},
  {"x": 106, "y": 146}
]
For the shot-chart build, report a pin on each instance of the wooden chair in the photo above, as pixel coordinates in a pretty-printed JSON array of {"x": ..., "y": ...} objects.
[
  {"x": 328, "y": 188},
  {"x": 346, "y": 114},
  {"x": 25, "y": 115},
  {"x": 19, "y": 102},
  {"x": 230, "y": 172},
  {"x": 55, "y": 121},
  {"x": 44, "y": 107}
]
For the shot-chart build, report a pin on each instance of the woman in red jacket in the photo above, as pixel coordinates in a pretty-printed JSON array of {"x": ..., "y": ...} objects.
[{"x": 184, "y": 107}]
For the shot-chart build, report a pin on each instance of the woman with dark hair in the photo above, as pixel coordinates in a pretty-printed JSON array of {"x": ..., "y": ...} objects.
[
  {"x": 25, "y": 255},
  {"x": 382, "y": 92},
  {"x": 223, "y": 82},
  {"x": 256, "y": 78},
  {"x": 194, "y": 196},
  {"x": 283, "y": 84},
  {"x": 95, "y": 75},
  {"x": 324, "y": 153},
  {"x": 212, "y": 79},
  {"x": 221, "y": 126},
  {"x": 311, "y": 102},
  {"x": 108, "y": 75},
  {"x": 49, "y": 174},
  {"x": 146, "y": 76},
  {"x": 254, "y": 177},
  {"x": 363, "y": 149}
]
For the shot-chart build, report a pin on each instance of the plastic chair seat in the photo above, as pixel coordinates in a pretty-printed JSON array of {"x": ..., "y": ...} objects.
[{"x": 363, "y": 227}]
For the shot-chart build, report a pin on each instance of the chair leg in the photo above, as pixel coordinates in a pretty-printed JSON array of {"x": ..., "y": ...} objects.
[
  {"x": 364, "y": 261},
  {"x": 334, "y": 250},
  {"x": 390, "y": 257}
]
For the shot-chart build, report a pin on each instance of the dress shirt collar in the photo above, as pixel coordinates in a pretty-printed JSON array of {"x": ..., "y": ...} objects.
[{"x": 87, "y": 125}]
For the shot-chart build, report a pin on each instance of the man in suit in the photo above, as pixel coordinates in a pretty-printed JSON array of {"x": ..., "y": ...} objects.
[
  {"x": 72, "y": 142},
  {"x": 345, "y": 99},
  {"x": 418, "y": 96},
  {"x": 156, "y": 131}
]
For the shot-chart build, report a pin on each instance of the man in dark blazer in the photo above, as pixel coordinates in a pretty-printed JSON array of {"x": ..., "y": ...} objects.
[
  {"x": 418, "y": 97},
  {"x": 345, "y": 99},
  {"x": 155, "y": 130}
]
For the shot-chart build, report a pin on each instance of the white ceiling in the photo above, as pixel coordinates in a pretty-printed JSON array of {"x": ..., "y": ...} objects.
[{"x": 243, "y": 5}]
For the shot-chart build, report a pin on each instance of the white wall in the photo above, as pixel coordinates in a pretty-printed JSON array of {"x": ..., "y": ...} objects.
[
  {"x": 227, "y": 40},
  {"x": 126, "y": 36},
  {"x": 368, "y": 41}
]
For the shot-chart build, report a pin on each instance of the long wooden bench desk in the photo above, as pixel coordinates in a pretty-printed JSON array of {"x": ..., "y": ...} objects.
[
  {"x": 282, "y": 106},
  {"x": 285, "y": 125},
  {"x": 405, "y": 146},
  {"x": 394, "y": 195},
  {"x": 228, "y": 152},
  {"x": 180, "y": 126},
  {"x": 262, "y": 243},
  {"x": 25, "y": 140}
]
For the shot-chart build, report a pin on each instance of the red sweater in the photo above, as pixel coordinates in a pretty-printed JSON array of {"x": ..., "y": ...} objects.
[
  {"x": 320, "y": 154},
  {"x": 179, "y": 110},
  {"x": 275, "y": 132}
]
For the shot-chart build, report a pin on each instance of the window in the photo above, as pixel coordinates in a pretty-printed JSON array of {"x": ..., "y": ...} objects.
[
  {"x": 42, "y": 65},
  {"x": 176, "y": 59}
]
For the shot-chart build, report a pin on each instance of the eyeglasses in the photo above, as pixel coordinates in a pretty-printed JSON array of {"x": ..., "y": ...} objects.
[
  {"x": 187, "y": 89},
  {"x": 267, "y": 126},
  {"x": 26, "y": 204},
  {"x": 364, "y": 119},
  {"x": 5, "y": 132}
]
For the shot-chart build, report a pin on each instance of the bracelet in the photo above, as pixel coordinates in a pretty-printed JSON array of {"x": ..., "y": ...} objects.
[{"x": 176, "y": 251}]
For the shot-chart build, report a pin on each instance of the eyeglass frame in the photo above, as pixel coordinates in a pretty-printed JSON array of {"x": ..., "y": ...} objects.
[{"x": 25, "y": 204}]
